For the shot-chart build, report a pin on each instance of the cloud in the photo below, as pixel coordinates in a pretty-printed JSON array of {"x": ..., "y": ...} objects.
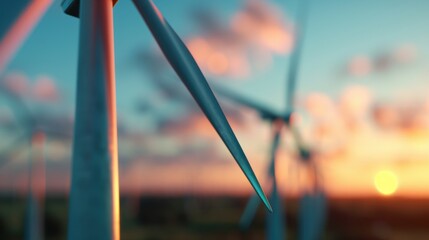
[
  {"x": 385, "y": 116},
  {"x": 173, "y": 108},
  {"x": 382, "y": 62},
  {"x": 334, "y": 121},
  {"x": 250, "y": 38},
  {"x": 357, "y": 108},
  {"x": 319, "y": 105},
  {"x": 195, "y": 123},
  {"x": 216, "y": 57},
  {"x": 354, "y": 103},
  {"x": 404, "y": 117},
  {"x": 405, "y": 53},
  {"x": 359, "y": 66},
  {"x": 44, "y": 89},
  {"x": 264, "y": 26},
  {"x": 25, "y": 113},
  {"x": 16, "y": 83}
]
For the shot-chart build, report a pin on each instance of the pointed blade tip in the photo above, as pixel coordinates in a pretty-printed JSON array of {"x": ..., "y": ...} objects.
[
  {"x": 264, "y": 200},
  {"x": 258, "y": 189},
  {"x": 268, "y": 206},
  {"x": 254, "y": 182}
]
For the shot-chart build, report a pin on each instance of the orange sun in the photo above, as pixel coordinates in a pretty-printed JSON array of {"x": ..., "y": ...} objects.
[{"x": 386, "y": 182}]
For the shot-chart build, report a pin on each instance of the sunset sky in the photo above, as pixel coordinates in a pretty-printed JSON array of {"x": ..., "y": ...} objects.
[{"x": 362, "y": 97}]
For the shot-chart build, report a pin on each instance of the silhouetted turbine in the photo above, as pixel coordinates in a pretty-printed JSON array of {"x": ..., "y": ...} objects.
[
  {"x": 312, "y": 208},
  {"x": 94, "y": 198},
  {"x": 312, "y": 205}
]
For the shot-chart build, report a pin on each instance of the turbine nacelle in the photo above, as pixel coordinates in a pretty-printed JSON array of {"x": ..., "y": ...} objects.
[
  {"x": 71, "y": 7},
  {"x": 305, "y": 154},
  {"x": 271, "y": 117}
]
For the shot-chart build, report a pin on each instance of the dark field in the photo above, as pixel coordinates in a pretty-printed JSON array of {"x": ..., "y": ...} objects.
[{"x": 217, "y": 218}]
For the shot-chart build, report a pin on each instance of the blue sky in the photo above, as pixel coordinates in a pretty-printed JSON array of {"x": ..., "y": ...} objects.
[{"x": 337, "y": 31}]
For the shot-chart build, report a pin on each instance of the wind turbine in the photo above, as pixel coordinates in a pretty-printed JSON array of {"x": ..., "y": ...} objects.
[
  {"x": 33, "y": 224},
  {"x": 34, "y": 134},
  {"x": 94, "y": 197},
  {"x": 312, "y": 207}
]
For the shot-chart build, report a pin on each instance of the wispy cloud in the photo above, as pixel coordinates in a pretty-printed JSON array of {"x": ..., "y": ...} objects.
[
  {"x": 17, "y": 83},
  {"x": 248, "y": 40},
  {"x": 404, "y": 117},
  {"x": 354, "y": 105},
  {"x": 45, "y": 89},
  {"x": 382, "y": 61}
]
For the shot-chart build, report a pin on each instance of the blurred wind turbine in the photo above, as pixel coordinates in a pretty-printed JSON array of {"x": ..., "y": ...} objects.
[
  {"x": 21, "y": 28},
  {"x": 94, "y": 197},
  {"x": 33, "y": 132},
  {"x": 312, "y": 207}
]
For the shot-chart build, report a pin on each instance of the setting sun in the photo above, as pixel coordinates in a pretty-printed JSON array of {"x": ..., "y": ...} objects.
[{"x": 386, "y": 182}]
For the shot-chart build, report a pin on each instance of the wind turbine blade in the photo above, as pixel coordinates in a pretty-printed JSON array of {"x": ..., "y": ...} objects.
[
  {"x": 185, "y": 66},
  {"x": 303, "y": 151},
  {"x": 20, "y": 30},
  {"x": 246, "y": 102},
  {"x": 249, "y": 212},
  {"x": 252, "y": 206},
  {"x": 295, "y": 59}
]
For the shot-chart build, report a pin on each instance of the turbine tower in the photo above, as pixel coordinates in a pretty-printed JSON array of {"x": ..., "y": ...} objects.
[{"x": 34, "y": 229}]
